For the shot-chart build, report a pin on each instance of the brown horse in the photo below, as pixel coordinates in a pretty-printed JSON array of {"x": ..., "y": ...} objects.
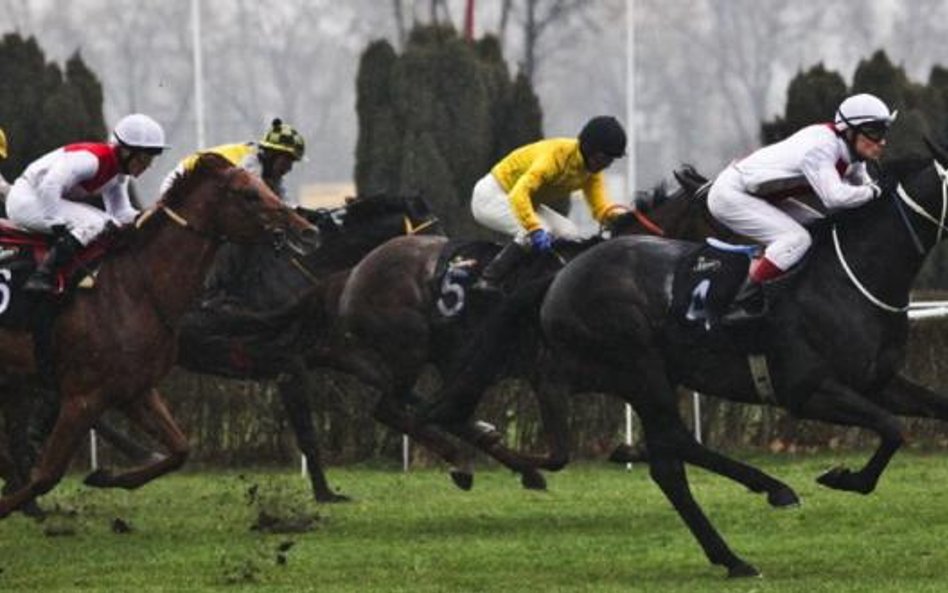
[{"x": 113, "y": 344}]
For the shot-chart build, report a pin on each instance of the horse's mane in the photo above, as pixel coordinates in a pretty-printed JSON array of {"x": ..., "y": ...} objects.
[
  {"x": 649, "y": 200},
  {"x": 184, "y": 183},
  {"x": 363, "y": 208}
]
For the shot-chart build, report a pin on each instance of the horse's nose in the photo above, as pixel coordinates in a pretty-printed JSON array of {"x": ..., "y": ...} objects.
[{"x": 306, "y": 241}]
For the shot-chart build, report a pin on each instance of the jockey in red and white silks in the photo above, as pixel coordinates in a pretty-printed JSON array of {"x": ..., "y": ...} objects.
[
  {"x": 770, "y": 195},
  {"x": 56, "y": 189},
  {"x": 52, "y": 191}
]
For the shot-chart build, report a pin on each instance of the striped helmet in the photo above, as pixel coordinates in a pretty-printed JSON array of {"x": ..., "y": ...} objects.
[{"x": 284, "y": 138}]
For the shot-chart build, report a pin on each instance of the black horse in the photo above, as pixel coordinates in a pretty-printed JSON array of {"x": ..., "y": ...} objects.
[
  {"x": 395, "y": 325},
  {"x": 833, "y": 340}
]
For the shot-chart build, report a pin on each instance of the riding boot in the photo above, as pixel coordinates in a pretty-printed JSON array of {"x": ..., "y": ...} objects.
[
  {"x": 60, "y": 252},
  {"x": 500, "y": 267},
  {"x": 749, "y": 304}
]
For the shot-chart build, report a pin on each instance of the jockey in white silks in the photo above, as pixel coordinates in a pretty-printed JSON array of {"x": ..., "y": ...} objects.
[
  {"x": 53, "y": 194},
  {"x": 771, "y": 194}
]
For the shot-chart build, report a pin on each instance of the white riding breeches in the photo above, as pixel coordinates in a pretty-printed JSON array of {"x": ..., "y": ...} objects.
[
  {"x": 27, "y": 209},
  {"x": 786, "y": 240},
  {"x": 490, "y": 206}
]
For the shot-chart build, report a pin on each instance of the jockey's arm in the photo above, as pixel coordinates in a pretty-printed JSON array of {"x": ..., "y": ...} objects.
[
  {"x": 602, "y": 208},
  {"x": 117, "y": 203},
  {"x": 819, "y": 167}
]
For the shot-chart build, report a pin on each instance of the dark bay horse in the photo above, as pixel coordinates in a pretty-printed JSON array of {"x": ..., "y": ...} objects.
[
  {"x": 113, "y": 344},
  {"x": 833, "y": 341},
  {"x": 272, "y": 309}
]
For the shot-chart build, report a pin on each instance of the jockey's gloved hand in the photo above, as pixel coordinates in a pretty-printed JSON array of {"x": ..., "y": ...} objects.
[{"x": 541, "y": 240}]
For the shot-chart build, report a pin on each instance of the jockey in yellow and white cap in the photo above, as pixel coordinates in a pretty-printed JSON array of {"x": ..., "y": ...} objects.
[
  {"x": 56, "y": 192},
  {"x": 270, "y": 159}
]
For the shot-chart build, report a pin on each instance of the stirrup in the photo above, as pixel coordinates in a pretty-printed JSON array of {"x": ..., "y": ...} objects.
[{"x": 487, "y": 286}]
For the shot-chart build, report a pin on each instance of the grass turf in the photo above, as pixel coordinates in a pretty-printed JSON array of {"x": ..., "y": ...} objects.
[{"x": 599, "y": 528}]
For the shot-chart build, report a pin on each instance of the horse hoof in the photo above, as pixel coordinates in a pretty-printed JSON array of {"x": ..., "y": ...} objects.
[
  {"x": 533, "y": 480},
  {"x": 33, "y": 510},
  {"x": 332, "y": 497},
  {"x": 783, "y": 497},
  {"x": 840, "y": 478},
  {"x": 742, "y": 570},
  {"x": 629, "y": 454},
  {"x": 100, "y": 478},
  {"x": 463, "y": 480}
]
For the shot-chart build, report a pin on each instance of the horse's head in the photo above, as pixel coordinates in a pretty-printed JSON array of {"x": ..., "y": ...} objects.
[{"x": 229, "y": 204}]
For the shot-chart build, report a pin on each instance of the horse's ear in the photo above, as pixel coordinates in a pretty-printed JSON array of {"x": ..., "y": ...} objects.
[{"x": 939, "y": 152}]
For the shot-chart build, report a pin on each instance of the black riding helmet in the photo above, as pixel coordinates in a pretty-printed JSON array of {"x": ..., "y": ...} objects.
[{"x": 603, "y": 134}]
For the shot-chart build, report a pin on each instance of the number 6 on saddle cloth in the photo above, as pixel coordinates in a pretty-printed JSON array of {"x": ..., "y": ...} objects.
[{"x": 20, "y": 252}]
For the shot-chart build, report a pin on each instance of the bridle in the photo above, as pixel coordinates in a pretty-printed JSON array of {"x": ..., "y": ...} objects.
[{"x": 900, "y": 197}]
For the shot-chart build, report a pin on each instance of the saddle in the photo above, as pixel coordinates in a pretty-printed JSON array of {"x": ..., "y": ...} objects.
[{"x": 20, "y": 253}]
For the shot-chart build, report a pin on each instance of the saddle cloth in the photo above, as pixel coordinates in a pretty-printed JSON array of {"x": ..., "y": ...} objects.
[
  {"x": 20, "y": 252},
  {"x": 707, "y": 280}
]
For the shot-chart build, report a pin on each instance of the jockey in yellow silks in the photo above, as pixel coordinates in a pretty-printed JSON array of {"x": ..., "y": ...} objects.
[{"x": 513, "y": 197}]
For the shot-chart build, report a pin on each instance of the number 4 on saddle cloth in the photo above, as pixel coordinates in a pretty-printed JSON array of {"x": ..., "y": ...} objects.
[
  {"x": 708, "y": 279},
  {"x": 20, "y": 252}
]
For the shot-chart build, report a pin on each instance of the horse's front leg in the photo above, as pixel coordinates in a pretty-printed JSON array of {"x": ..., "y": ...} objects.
[
  {"x": 76, "y": 416},
  {"x": 838, "y": 404},
  {"x": 151, "y": 414}
]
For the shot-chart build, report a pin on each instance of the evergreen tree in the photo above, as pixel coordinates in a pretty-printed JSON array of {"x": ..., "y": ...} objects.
[
  {"x": 40, "y": 107},
  {"x": 436, "y": 118},
  {"x": 812, "y": 97}
]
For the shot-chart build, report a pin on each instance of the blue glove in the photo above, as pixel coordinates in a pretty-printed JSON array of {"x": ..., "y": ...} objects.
[{"x": 541, "y": 240}]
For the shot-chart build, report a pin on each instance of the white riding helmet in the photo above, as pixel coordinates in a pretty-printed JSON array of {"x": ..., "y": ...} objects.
[
  {"x": 140, "y": 131},
  {"x": 859, "y": 110}
]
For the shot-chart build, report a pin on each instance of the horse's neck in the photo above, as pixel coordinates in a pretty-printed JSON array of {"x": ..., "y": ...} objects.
[
  {"x": 170, "y": 266},
  {"x": 880, "y": 252}
]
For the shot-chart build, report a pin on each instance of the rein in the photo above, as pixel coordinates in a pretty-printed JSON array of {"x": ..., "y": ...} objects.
[{"x": 905, "y": 198}]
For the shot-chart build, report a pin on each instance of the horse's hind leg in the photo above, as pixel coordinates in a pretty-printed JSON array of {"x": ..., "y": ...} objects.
[
  {"x": 904, "y": 397},
  {"x": 838, "y": 404},
  {"x": 294, "y": 393},
  {"x": 76, "y": 416},
  {"x": 152, "y": 415}
]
